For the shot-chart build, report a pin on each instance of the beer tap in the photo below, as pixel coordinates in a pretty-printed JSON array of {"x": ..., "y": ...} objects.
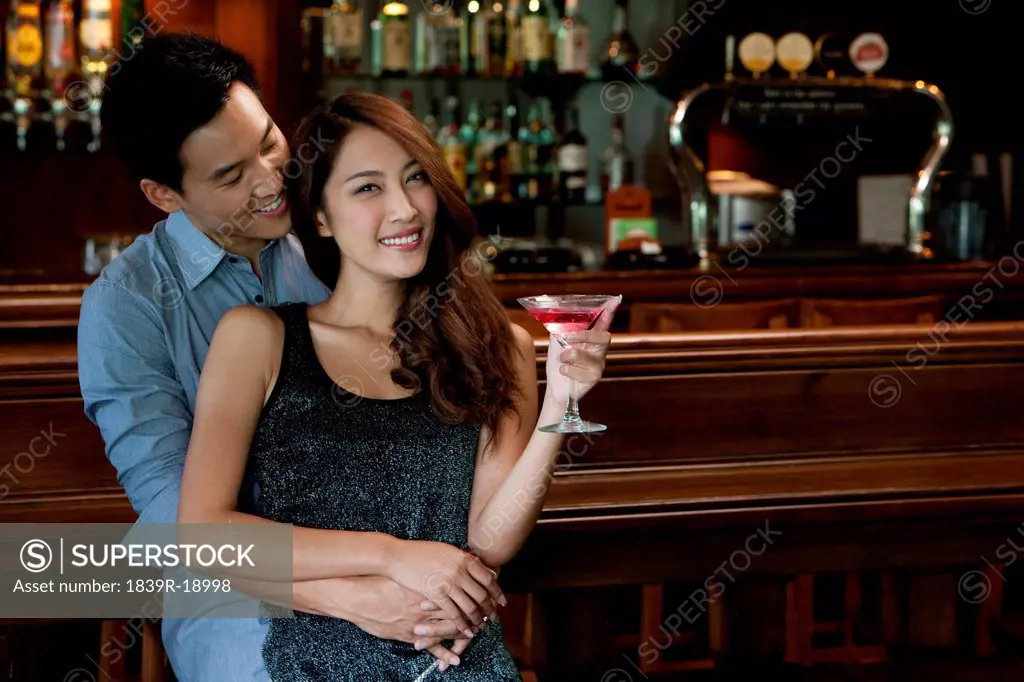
[
  {"x": 22, "y": 115},
  {"x": 39, "y": 71},
  {"x": 868, "y": 53},
  {"x": 94, "y": 121},
  {"x": 59, "y": 116}
]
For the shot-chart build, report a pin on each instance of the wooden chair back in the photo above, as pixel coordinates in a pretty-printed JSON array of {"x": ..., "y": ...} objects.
[
  {"x": 748, "y": 315},
  {"x": 820, "y": 313}
]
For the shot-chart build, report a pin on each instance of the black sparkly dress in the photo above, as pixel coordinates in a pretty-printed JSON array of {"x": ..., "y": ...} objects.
[{"x": 326, "y": 458}]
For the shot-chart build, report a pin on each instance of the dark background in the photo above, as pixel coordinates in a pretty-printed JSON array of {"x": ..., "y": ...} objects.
[{"x": 52, "y": 200}]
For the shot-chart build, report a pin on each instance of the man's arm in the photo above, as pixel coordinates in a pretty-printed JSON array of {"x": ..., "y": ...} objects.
[{"x": 132, "y": 394}]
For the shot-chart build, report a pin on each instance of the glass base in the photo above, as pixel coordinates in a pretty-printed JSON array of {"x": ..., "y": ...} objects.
[{"x": 573, "y": 427}]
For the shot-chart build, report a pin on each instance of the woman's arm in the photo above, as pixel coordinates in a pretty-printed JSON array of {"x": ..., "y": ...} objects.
[{"x": 512, "y": 480}]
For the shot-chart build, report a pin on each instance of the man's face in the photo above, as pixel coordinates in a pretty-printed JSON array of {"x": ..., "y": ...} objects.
[{"x": 232, "y": 187}]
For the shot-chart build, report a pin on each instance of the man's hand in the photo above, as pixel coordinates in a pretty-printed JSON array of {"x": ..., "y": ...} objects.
[{"x": 381, "y": 607}]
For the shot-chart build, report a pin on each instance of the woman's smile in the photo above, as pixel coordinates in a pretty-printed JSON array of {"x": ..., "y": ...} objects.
[{"x": 407, "y": 240}]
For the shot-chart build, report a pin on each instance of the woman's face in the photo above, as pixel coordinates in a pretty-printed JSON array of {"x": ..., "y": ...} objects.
[{"x": 379, "y": 207}]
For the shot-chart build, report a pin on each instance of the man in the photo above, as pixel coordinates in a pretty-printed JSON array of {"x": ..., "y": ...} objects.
[{"x": 185, "y": 116}]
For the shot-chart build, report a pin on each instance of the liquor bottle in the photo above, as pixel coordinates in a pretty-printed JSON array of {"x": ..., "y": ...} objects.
[
  {"x": 536, "y": 32},
  {"x": 425, "y": 45},
  {"x": 573, "y": 42},
  {"x": 618, "y": 164},
  {"x": 452, "y": 145},
  {"x": 490, "y": 137},
  {"x": 60, "y": 45},
  {"x": 469, "y": 133},
  {"x": 514, "y": 40},
  {"x": 438, "y": 41},
  {"x": 491, "y": 36},
  {"x": 573, "y": 159},
  {"x": 315, "y": 48},
  {"x": 405, "y": 98},
  {"x": 344, "y": 48},
  {"x": 96, "y": 36},
  {"x": 392, "y": 40},
  {"x": 621, "y": 52},
  {"x": 512, "y": 173},
  {"x": 432, "y": 121},
  {"x": 539, "y": 151},
  {"x": 132, "y": 28},
  {"x": 468, "y": 44},
  {"x": 24, "y": 47}
]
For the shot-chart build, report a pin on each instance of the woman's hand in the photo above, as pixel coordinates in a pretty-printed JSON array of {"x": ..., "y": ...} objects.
[
  {"x": 464, "y": 589},
  {"x": 583, "y": 361}
]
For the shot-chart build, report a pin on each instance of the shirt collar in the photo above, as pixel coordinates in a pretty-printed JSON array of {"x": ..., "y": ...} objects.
[{"x": 197, "y": 255}]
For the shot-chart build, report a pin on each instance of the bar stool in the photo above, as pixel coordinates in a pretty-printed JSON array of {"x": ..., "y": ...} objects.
[
  {"x": 154, "y": 661},
  {"x": 524, "y": 634},
  {"x": 801, "y": 627},
  {"x": 655, "y": 619},
  {"x": 677, "y": 317},
  {"x": 112, "y": 667}
]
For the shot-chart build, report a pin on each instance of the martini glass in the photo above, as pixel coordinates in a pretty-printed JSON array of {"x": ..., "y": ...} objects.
[{"x": 562, "y": 315}]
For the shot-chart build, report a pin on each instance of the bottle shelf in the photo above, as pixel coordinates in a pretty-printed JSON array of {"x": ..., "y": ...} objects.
[
  {"x": 546, "y": 202},
  {"x": 555, "y": 86}
]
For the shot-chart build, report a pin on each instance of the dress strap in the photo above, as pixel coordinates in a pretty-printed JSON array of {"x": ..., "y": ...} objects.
[{"x": 298, "y": 357}]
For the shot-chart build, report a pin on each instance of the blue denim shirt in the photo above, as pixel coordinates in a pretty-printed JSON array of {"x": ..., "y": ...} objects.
[{"x": 144, "y": 331}]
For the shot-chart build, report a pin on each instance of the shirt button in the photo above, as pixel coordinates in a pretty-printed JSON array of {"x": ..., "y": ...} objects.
[
  {"x": 259, "y": 299},
  {"x": 232, "y": 259}
]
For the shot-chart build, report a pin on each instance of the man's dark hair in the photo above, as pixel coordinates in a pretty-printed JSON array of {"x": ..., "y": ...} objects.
[{"x": 168, "y": 87}]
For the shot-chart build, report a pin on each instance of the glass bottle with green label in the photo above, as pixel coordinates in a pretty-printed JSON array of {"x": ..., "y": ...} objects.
[
  {"x": 392, "y": 40},
  {"x": 133, "y": 29}
]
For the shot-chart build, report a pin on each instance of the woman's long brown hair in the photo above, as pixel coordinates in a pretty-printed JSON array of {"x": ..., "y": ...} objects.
[{"x": 452, "y": 335}]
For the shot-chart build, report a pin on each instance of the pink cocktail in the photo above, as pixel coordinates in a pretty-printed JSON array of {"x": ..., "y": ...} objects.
[
  {"x": 562, "y": 315},
  {"x": 565, "y": 320}
]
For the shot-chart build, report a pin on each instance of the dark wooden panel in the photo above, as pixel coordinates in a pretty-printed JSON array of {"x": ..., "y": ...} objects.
[
  {"x": 795, "y": 484},
  {"x": 50, "y": 446},
  {"x": 658, "y": 549},
  {"x": 761, "y": 283},
  {"x": 198, "y": 17},
  {"x": 706, "y": 417},
  {"x": 268, "y": 33},
  {"x": 102, "y": 506}
]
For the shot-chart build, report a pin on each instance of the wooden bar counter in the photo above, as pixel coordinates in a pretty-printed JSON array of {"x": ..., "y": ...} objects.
[
  {"x": 893, "y": 449},
  {"x": 997, "y": 286}
]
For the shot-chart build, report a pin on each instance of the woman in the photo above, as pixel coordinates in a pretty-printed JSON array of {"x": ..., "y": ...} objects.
[{"x": 393, "y": 424}]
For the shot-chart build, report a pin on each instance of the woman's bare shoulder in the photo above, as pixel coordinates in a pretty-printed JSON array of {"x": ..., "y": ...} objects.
[
  {"x": 524, "y": 341},
  {"x": 256, "y": 332}
]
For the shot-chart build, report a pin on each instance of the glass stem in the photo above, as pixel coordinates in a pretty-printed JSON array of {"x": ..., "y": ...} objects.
[{"x": 572, "y": 405}]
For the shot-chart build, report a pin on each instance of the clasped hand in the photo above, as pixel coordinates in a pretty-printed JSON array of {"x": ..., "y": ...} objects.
[{"x": 458, "y": 594}]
